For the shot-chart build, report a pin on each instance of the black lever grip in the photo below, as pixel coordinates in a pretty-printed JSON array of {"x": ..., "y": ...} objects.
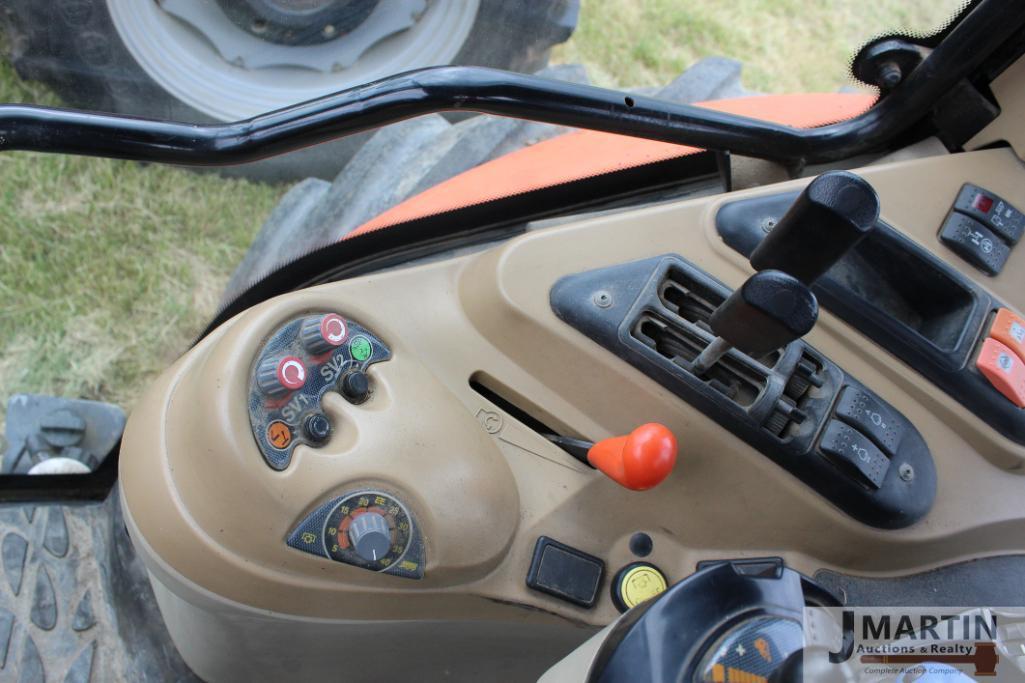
[
  {"x": 770, "y": 310},
  {"x": 833, "y": 213}
]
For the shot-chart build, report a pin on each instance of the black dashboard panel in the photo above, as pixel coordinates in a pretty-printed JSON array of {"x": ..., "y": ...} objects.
[{"x": 794, "y": 404}]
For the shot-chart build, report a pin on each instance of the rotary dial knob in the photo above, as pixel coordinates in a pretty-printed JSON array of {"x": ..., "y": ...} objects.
[
  {"x": 370, "y": 536},
  {"x": 277, "y": 376},
  {"x": 323, "y": 333}
]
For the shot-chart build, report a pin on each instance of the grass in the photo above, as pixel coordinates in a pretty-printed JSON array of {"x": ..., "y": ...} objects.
[
  {"x": 785, "y": 45},
  {"x": 109, "y": 269}
]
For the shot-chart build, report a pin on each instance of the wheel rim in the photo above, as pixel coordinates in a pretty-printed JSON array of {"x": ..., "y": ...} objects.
[{"x": 186, "y": 65}]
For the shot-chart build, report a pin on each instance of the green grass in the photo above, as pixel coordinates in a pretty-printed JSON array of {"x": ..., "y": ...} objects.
[
  {"x": 109, "y": 269},
  {"x": 785, "y": 45}
]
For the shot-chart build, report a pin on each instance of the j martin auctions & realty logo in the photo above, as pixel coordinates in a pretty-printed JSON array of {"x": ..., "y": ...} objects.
[{"x": 906, "y": 644}]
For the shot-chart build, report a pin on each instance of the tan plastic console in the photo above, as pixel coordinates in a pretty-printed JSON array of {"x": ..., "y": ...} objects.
[{"x": 210, "y": 518}]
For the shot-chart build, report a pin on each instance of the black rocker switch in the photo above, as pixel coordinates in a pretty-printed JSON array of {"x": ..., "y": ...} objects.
[
  {"x": 770, "y": 310},
  {"x": 834, "y": 212}
]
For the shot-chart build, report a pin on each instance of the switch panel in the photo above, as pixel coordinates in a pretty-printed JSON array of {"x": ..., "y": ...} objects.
[
  {"x": 974, "y": 242},
  {"x": 304, "y": 359},
  {"x": 995, "y": 213}
]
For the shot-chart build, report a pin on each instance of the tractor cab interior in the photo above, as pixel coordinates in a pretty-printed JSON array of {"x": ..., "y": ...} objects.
[{"x": 793, "y": 375}]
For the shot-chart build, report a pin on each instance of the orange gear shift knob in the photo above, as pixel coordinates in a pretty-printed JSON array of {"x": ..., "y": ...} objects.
[{"x": 639, "y": 460}]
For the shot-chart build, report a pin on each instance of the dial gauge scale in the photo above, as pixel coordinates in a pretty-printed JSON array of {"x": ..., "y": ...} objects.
[{"x": 368, "y": 529}]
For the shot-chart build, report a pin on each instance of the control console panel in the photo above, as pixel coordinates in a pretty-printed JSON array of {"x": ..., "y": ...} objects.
[
  {"x": 304, "y": 359},
  {"x": 902, "y": 297},
  {"x": 793, "y": 404}
]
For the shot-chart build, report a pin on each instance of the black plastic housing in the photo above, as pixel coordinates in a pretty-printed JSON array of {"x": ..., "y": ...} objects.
[
  {"x": 778, "y": 403},
  {"x": 902, "y": 298},
  {"x": 664, "y": 640}
]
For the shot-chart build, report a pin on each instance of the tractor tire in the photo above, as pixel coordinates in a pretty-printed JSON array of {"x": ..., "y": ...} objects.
[{"x": 75, "y": 48}]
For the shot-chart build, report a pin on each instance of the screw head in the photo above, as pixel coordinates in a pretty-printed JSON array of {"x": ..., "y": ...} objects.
[
  {"x": 602, "y": 299},
  {"x": 906, "y": 472}
]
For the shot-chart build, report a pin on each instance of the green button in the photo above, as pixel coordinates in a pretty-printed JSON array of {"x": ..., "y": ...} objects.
[{"x": 360, "y": 348}]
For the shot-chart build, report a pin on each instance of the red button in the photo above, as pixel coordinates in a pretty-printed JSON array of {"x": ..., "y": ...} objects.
[
  {"x": 333, "y": 330},
  {"x": 982, "y": 203},
  {"x": 1004, "y": 370},
  {"x": 291, "y": 372}
]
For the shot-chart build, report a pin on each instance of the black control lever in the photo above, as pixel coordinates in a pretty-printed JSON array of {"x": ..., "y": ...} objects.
[
  {"x": 834, "y": 212},
  {"x": 770, "y": 310}
]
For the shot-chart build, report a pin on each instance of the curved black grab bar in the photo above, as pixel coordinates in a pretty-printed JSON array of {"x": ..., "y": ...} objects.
[{"x": 977, "y": 35}]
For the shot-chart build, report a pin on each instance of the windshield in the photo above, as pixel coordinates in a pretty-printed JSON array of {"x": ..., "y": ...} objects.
[{"x": 111, "y": 268}]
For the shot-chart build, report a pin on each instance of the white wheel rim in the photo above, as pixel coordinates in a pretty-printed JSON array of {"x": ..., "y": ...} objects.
[{"x": 186, "y": 65}]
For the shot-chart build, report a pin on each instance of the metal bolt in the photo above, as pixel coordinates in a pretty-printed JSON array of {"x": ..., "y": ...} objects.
[
  {"x": 602, "y": 299},
  {"x": 890, "y": 74},
  {"x": 329, "y": 31},
  {"x": 768, "y": 224},
  {"x": 906, "y": 472}
]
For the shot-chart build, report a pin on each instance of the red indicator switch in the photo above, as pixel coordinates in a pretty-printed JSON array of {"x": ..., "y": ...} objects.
[
  {"x": 983, "y": 203},
  {"x": 640, "y": 460},
  {"x": 323, "y": 333},
  {"x": 1004, "y": 370},
  {"x": 278, "y": 376}
]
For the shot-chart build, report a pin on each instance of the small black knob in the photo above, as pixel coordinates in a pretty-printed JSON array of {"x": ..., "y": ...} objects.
[
  {"x": 355, "y": 386},
  {"x": 833, "y": 213},
  {"x": 770, "y": 310},
  {"x": 317, "y": 428}
]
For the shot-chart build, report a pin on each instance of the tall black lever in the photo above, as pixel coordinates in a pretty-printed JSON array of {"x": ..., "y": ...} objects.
[
  {"x": 770, "y": 310},
  {"x": 774, "y": 306},
  {"x": 834, "y": 212}
]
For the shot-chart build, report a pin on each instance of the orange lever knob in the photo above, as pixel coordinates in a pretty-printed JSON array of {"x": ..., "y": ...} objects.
[{"x": 639, "y": 460}]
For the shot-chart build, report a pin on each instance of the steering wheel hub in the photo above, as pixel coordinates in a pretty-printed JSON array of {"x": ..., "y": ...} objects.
[{"x": 298, "y": 22}]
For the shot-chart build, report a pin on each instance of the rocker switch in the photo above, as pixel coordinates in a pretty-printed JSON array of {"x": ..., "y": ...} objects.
[
  {"x": 867, "y": 412},
  {"x": 855, "y": 451}
]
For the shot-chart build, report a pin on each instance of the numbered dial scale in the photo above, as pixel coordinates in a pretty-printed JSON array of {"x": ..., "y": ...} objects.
[
  {"x": 369, "y": 529},
  {"x": 304, "y": 359}
]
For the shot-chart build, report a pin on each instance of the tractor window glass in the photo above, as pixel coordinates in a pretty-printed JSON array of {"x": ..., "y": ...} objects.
[{"x": 109, "y": 269}]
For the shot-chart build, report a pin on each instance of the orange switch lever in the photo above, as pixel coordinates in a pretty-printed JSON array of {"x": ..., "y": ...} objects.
[{"x": 640, "y": 460}]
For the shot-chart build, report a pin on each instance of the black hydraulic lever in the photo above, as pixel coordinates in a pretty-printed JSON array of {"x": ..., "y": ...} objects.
[
  {"x": 835, "y": 211},
  {"x": 774, "y": 306},
  {"x": 770, "y": 310}
]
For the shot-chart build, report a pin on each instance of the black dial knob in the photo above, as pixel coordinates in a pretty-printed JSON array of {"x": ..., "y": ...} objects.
[{"x": 355, "y": 386}]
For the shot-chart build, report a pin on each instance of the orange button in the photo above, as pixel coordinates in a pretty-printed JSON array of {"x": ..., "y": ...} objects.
[
  {"x": 1009, "y": 330},
  {"x": 279, "y": 434},
  {"x": 1004, "y": 370}
]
